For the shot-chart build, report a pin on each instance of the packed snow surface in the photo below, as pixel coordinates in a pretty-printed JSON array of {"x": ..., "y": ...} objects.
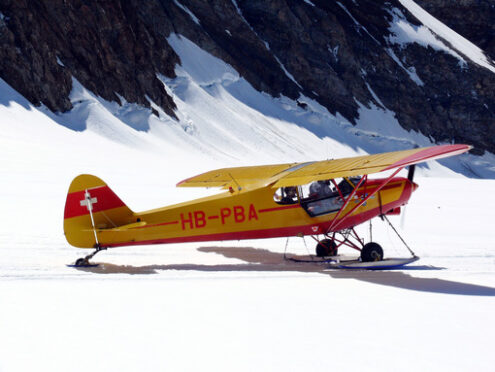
[{"x": 230, "y": 305}]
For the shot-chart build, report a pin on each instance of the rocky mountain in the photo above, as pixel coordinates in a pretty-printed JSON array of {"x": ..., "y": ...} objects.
[
  {"x": 473, "y": 19},
  {"x": 342, "y": 54}
]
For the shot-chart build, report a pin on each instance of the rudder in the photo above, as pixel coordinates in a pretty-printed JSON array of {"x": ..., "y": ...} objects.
[{"x": 108, "y": 210}]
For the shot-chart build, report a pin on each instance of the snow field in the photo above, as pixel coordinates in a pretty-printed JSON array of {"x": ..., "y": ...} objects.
[{"x": 230, "y": 305}]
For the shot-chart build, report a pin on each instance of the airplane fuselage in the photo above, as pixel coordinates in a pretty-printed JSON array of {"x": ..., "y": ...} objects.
[{"x": 228, "y": 216}]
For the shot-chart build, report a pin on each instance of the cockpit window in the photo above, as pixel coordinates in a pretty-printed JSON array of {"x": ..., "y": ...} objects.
[
  {"x": 326, "y": 196},
  {"x": 286, "y": 195}
]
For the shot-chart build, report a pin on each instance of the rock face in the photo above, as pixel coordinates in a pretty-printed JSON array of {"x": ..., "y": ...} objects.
[
  {"x": 342, "y": 54},
  {"x": 109, "y": 46},
  {"x": 473, "y": 19}
]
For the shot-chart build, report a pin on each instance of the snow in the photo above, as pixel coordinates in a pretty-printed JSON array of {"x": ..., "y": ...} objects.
[
  {"x": 404, "y": 33},
  {"x": 358, "y": 25},
  {"x": 287, "y": 73},
  {"x": 230, "y": 305},
  {"x": 191, "y": 14},
  {"x": 410, "y": 71},
  {"x": 458, "y": 42},
  {"x": 59, "y": 62},
  {"x": 373, "y": 94}
]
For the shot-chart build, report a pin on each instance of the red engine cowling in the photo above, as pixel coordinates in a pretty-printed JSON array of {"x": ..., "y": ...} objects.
[{"x": 393, "y": 212}]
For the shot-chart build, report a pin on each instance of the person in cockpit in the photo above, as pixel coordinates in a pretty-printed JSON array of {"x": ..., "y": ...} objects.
[{"x": 320, "y": 189}]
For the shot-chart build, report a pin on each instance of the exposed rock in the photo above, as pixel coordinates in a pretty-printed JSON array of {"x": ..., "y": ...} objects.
[
  {"x": 473, "y": 19},
  {"x": 338, "y": 53},
  {"x": 108, "y": 46}
]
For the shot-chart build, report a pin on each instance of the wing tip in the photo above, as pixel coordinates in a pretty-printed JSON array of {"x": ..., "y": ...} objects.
[{"x": 431, "y": 153}]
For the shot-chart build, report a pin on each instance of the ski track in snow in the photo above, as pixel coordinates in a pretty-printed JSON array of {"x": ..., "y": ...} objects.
[{"x": 230, "y": 305}]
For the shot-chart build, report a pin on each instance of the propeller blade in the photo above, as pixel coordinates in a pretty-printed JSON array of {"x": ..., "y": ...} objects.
[
  {"x": 403, "y": 218},
  {"x": 410, "y": 177},
  {"x": 410, "y": 173}
]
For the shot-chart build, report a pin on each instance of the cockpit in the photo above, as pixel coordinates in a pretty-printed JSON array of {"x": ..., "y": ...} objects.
[{"x": 319, "y": 197}]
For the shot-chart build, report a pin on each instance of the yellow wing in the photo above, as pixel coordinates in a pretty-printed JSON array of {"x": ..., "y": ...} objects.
[
  {"x": 235, "y": 177},
  {"x": 292, "y": 174}
]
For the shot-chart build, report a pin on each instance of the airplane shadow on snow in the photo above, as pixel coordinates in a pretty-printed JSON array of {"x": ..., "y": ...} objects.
[{"x": 262, "y": 260}]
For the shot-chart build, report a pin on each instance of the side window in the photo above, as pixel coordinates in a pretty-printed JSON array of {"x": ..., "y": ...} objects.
[
  {"x": 317, "y": 190},
  {"x": 286, "y": 195},
  {"x": 326, "y": 196}
]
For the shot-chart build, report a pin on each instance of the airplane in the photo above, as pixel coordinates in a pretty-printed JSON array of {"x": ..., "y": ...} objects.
[{"x": 322, "y": 199}]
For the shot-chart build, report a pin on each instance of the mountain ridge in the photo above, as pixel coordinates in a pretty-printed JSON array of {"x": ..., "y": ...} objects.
[{"x": 342, "y": 54}]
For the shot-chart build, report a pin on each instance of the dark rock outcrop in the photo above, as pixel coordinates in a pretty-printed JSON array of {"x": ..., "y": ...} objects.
[
  {"x": 473, "y": 19},
  {"x": 109, "y": 46},
  {"x": 338, "y": 53}
]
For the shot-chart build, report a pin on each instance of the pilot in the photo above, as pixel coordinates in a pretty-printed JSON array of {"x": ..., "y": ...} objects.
[
  {"x": 290, "y": 196},
  {"x": 320, "y": 189}
]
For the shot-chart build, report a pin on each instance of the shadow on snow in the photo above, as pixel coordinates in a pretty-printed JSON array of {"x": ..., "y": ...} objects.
[{"x": 262, "y": 260}]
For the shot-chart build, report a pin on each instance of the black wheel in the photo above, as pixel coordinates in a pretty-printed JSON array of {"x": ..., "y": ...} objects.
[
  {"x": 81, "y": 262},
  {"x": 326, "y": 247},
  {"x": 371, "y": 252}
]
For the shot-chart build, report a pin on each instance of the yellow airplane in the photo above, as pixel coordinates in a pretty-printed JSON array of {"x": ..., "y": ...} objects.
[{"x": 318, "y": 198}]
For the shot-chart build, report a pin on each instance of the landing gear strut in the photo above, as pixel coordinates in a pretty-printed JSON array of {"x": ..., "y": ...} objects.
[{"x": 84, "y": 261}]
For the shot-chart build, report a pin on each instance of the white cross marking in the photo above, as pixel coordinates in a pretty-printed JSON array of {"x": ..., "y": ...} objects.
[{"x": 88, "y": 201}]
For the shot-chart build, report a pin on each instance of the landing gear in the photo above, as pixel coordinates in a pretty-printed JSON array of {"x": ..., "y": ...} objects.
[
  {"x": 84, "y": 261},
  {"x": 81, "y": 262},
  {"x": 326, "y": 247},
  {"x": 371, "y": 252}
]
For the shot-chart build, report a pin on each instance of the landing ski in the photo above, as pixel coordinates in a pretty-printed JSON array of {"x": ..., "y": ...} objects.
[{"x": 337, "y": 262}]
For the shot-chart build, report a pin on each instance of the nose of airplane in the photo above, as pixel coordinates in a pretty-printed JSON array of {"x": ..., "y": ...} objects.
[{"x": 414, "y": 186}]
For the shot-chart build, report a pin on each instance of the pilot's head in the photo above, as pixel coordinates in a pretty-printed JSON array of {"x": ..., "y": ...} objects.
[{"x": 290, "y": 191}]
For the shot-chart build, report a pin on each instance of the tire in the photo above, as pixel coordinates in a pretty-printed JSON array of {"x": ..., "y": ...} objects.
[
  {"x": 326, "y": 247},
  {"x": 371, "y": 252},
  {"x": 81, "y": 262}
]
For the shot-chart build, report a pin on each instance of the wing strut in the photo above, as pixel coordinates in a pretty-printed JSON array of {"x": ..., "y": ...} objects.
[
  {"x": 335, "y": 224},
  {"x": 361, "y": 181}
]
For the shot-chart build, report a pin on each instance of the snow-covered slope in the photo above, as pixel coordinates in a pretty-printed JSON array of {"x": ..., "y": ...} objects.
[
  {"x": 224, "y": 118},
  {"x": 219, "y": 307}
]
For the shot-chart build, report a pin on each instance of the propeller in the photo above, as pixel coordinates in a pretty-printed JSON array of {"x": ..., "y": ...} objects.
[
  {"x": 410, "y": 173},
  {"x": 410, "y": 177}
]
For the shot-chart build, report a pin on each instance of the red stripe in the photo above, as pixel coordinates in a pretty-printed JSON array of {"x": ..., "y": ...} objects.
[
  {"x": 213, "y": 217},
  {"x": 276, "y": 232},
  {"x": 278, "y": 208},
  {"x": 430, "y": 153},
  {"x": 106, "y": 199}
]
